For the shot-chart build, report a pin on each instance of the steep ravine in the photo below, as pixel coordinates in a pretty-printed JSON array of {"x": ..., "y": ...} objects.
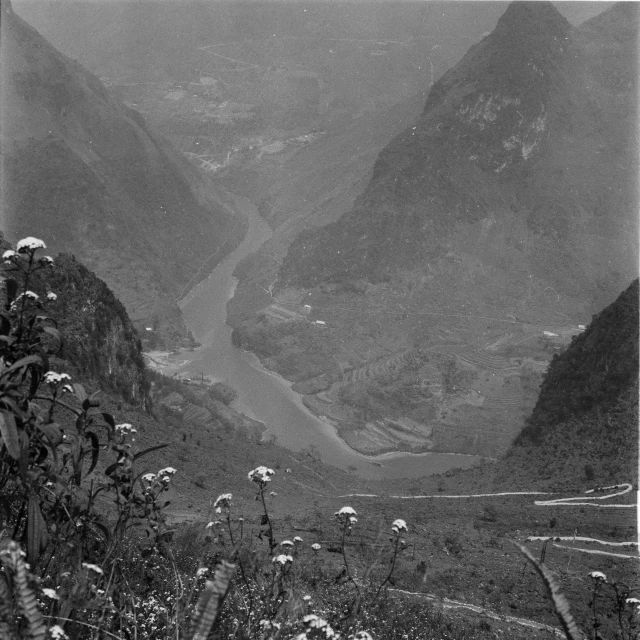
[{"x": 267, "y": 397}]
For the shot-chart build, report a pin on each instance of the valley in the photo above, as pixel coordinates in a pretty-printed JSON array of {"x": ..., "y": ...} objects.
[{"x": 364, "y": 319}]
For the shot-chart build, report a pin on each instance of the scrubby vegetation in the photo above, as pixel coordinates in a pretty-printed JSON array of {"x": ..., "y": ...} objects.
[{"x": 85, "y": 546}]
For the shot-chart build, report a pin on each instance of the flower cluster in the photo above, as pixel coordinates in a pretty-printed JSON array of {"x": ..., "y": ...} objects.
[
  {"x": 398, "y": 526},
  {"x": 57, "y": 633},
  {"x": 30, "y": 244},
  {"x": 316, "y": 627},
  {"x": 163, "y": 477},
  {"x": 347, "y": 516},
  {"x": 55, "y": 379},
  {"x": 27, "y": 245},
  {"x": 282, "y": 559},
  {"x": 223, "y": 501},
  {"x": 125, "y": 429},
  {"x": 261, "y": 475},
  {"x": 93, "y": 567},
  {"x": 598, "y": 576}
]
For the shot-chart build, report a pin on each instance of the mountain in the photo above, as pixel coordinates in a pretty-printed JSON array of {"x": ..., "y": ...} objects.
[
  {"x": 490, "y": 230},
  {"x": 513, "y": 152},
  {"x": 89, "y": 175},
  {"x": 584, "y": 426}
]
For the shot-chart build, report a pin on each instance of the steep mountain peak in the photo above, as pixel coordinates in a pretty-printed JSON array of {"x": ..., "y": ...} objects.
[{"x": 522, "y": 18}]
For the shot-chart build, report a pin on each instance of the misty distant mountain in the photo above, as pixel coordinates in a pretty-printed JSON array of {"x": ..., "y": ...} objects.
[
  {"x": 89, "y": 176},
  {"x": 490, "y": 231},
  {"x": 520, "y": 176}
]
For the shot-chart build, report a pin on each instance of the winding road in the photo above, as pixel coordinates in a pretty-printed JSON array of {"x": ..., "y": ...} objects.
[{"x": 619, "y": 490}]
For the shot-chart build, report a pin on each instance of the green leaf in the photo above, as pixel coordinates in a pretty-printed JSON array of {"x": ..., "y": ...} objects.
[
  {"x": 37, "y": 536},
  {"x": 11, "y": 287},
  {"x": 23, "y": 362},
  {"x": 149, "y": 450},
  {"x": 81, "y": 394},
  {"x": 52, "y": 432},
  {"x": 95, "y": 449},
  {"x": 9, "y": 433},
  {"x": 5, "y": 325},
  {"x": 56, "y": 334},
  {"x": 110, "y": 422},
  {"x": 560, "y": 603}
]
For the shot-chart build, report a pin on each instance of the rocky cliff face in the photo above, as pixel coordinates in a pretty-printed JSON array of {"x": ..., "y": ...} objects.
[{"x": 87, "y": 175}]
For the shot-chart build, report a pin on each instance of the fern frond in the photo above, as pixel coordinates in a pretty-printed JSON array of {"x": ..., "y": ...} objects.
[
  {"x": 560, "y": 603},
  {"x": 211, "y": 599},
  {"x": 6, "y": 609},
  {"x": 12, "y": 557}
]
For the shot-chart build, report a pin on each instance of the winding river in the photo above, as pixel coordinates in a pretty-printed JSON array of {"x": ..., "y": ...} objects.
[{"x": 267, "y": 397}]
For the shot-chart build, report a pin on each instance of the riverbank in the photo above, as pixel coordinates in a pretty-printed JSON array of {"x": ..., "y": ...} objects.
[{"x": 266, "y": 396}]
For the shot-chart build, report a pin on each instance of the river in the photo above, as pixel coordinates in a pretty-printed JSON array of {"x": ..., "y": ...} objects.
[{"x": 267, "y": 397}]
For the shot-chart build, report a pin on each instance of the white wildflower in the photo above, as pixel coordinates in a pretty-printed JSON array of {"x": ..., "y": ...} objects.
[
  {"x": 57, "y": 633},
  {"x": 346, "y": 511},
  {"x": 306, "y": 598},
  {"x": 261, "y": 475},
  {"x": 201, "y": 572},
  {"x": 398, "y": 526},
  {"x": 286, "y": 543},
  {"x": 93, "y": 567},
  {"x": 273, "y": 494},
  {"x": 50, "y": 593},
  {"x": 223, "y": 501},
  {"x": 167, "y": 471},
  {"x": 30, "y": 295},
  {"x": 125, "y": 429},
  {"x": 598, "y": 575},
  {"x": 282, "y": 559},
  {"x": 30, "y": 244},
  {"x": 54, "y": 379},
  {"x": 46, "y": 261},
  {"x": 315, "y": 546},
  {"x": 632, "y": 601},
  {"x": 297, "y": 539},
  {"x": 362, "y": 635},
  {"x": 312, "y": 621},
  {"x": 269, "y": 625},
  {"x": 52, "y": 296},
  {"x": 149, "y": 477},
  {"x": 9, "y": 256}
]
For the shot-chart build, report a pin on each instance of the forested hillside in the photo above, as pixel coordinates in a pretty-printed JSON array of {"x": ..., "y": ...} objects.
[{"x": 584, "y": 426}]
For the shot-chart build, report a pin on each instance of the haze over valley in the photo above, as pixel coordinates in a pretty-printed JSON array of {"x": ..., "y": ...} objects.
[{"x": 384, "y": 252}]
